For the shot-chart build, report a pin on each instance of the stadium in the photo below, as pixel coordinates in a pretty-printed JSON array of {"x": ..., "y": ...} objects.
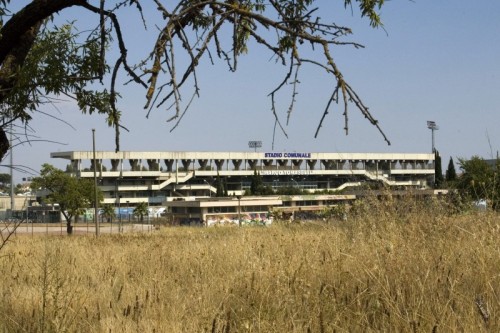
[{"x": 184, "y": 185}]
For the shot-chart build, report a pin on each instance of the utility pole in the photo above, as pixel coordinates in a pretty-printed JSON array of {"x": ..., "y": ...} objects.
[
  {"x": 96, "y": 204},
  {"x": 239, "y": 210},
  {"x": 12, "y": 194}
]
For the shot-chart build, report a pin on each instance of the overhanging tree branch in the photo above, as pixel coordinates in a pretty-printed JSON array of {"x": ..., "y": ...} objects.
[{"x": 191, "y": 28}]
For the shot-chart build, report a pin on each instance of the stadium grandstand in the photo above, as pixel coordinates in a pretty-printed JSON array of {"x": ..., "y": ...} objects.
[{"x": 186, "y": 182}]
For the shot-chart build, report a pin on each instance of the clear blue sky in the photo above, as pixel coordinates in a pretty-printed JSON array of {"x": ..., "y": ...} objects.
[{"x": 436, "y": 60}]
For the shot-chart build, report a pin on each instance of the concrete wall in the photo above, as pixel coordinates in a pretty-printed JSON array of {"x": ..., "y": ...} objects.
[{"x": 20, "y": 203}]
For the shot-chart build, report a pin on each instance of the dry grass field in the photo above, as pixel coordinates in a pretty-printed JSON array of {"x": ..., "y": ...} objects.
[{"x": 391, "y": 267}]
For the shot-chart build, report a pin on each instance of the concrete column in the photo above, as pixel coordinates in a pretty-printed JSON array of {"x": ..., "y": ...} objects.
[
  {"x": 186, "y": 164},
  {"x": 169, "y": 164},
  {"x": 203, "y": 164},
  {"x": 134, "y": 164},
  {"x": 282, "y": 163},
  {"x": 311, "y": 164},
  {"x": 252, "y": 164},
  {"x": 114, "y": 164},
  {"x": 152, "y": 165},
  {"x": 268, "y": 163},
  {"x": 297, "y": 163},
  {"x": 75, "y": 165},
  {"x": 237, "y": 164},
  {"x": 219, "y": 164},
  {"x": 328, "y": 164}
]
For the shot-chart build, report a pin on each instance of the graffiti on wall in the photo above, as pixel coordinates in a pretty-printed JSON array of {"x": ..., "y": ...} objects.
[{"x": 246, "y": 219}]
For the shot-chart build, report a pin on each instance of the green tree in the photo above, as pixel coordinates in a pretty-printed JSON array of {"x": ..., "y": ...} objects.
[
  {"x": 4, "y": 178},
  {"x": 41, "y": 59},
  {"x": 108, "y": 211},
  {"x": 219, "y": 186},
  {"x": 438, "y": 180},
  {"x": 256, "y": 185},
  {"x": 18, "y": 189},
  {"x": 72, "y": 194},
  {"x": 70, "y": 168},
  {"x": 480, "y": 180},
  {"x": 224, "y": 185},
  {"x": 140, "y": 210},
  {"x": 451, "y": 174},
  {"x": 289, "y": 190}
]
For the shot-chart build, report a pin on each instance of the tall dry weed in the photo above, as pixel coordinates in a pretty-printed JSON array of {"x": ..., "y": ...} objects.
[{"x": 399, "y": 266}]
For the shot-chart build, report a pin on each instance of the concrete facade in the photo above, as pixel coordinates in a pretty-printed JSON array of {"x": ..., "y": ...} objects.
[
  {"x": 185, "y": 182},
  {"x": 127, "y": 178}
]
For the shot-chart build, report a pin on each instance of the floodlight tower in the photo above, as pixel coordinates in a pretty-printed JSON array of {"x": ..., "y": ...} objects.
[
  {"x": 254, "y": 145},
  {"x": 433, "y": 127}
]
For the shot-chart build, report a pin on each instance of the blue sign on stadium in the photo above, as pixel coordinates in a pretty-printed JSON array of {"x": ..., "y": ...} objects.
[{"x": 287, "y": 155}]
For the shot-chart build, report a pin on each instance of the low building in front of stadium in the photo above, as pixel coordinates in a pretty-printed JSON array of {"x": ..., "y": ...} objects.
[{"x": 185, "y": 182}]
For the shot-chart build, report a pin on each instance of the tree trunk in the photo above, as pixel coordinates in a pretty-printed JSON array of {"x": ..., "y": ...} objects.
[
  {"x": 4, "y": 143},
  {"x": 27, "y": 18},
  {"x": 16, "y": 40},
  {"x": 69, "y": 226}
]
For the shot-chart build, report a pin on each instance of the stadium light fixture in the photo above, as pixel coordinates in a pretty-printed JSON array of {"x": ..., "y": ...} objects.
[
  {"x": 254, "y": 145},
  {"x": 433, "y": 127}
]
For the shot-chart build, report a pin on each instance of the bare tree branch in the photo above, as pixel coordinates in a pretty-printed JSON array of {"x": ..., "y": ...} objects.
[{"x": 191, "y": 30}]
